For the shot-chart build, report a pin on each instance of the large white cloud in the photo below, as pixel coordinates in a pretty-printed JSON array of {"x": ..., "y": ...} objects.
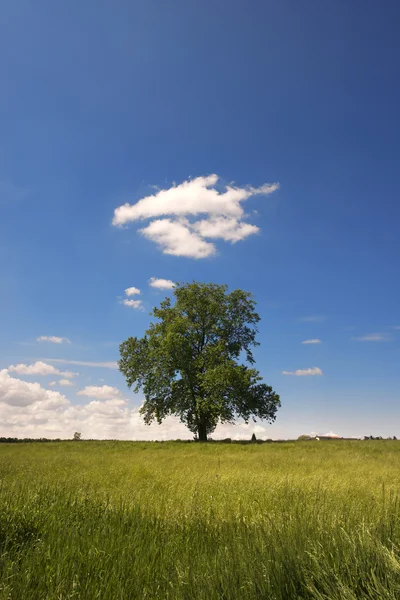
[
  {"x": 180, "y": 236},
  {"x": 15, "y": 392},
  {"x": 304, "y": 372}
]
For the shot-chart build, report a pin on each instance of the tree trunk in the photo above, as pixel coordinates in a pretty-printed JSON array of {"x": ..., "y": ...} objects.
[{"x": 202, "y": 432}]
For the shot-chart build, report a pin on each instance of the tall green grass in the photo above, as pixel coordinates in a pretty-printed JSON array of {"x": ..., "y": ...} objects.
[{"x": 125, "y": 520}]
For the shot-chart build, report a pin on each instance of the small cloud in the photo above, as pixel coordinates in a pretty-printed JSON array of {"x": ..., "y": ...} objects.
[
  {"x": 374, "y": 337},
  {"x": 132, "y": 291},
  {"x": 53, "y": 339},
  {"x": 161, "y": 284},
  {"x": 65, "y": 382},
  {"x": 312, "y": 319},
  {"x": 396, "y": 327},
  {"x": 136, "y": 304},
  {"x": 313, "y": 341},
  {"x": 304, "y": 372}
]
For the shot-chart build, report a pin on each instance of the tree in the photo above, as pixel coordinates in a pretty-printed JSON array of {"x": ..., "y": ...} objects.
[
  {"x": 188, "y": 365},
  {"x": 77, "y": 436}
]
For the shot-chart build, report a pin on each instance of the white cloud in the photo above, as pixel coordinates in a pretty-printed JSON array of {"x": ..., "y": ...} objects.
[
  {"x": 132, "y": 291},
  {"x": 136, "y": 304},
  {"x": 228, "y": 229},
  {"x": 177, "y": 238},
  {"x": 65, "y": 382},
  {"x": 53, "y": 339},
  {"x": 39, "y": 368},
  {"x": 83, "y": 363},
  {"x": 15, "y": 392},
  {"x": 197, "y": 196},
  {"x": 304, "y": 372},
  {"x": 312, "y": 319},
  {"x": 106, "y": 392},
  {"x": 313, "y": 341},
  {"x": 374, "y": 337},
  {"x": 177, "y": 235},
  {"x": 161, "y": 284}
]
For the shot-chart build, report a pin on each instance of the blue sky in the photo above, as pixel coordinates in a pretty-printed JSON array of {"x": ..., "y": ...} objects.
[{"x": 105, "y": 104}]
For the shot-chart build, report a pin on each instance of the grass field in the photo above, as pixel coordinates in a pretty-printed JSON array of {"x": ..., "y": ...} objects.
[{"x": 113, "y": 520}]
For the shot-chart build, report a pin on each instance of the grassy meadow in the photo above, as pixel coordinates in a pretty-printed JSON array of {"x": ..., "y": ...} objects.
[{"x": 127, "y": 520}]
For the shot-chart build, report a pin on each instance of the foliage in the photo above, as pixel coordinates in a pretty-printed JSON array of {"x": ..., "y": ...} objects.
[
  {"x": 188, "y": 361},
  {"x": 77, "y": 436},
  {"x": 188, "y": 521}
]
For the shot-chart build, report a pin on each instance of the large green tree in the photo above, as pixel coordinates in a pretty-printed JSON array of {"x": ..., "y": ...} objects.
[{"x": 188, "y": 362}]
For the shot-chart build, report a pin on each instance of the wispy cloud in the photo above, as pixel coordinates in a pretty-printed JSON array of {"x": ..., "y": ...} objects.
[
  {"x": 304, "y": 372},
  {"x": 313, "y": 341},
  {"x": 136, "y": 304},
  {"x": 101, "y": 392},
  {"x": 53, "y": 339},
  {"x": 374, "y": 337},
  {"x": 83, "y": 363},
  {"x": 312, "y": 319},
  {"x": 161, "y": 284},
  {"x": 170, "y": 211}
]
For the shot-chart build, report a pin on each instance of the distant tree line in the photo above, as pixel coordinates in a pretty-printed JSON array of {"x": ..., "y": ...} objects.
[
  {"x": 15, "y": 440},
  {"x": 379, "y": 437},
  {"x": 253, "y": 440}
]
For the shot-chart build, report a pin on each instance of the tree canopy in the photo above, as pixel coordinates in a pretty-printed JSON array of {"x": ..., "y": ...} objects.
[{"x": 189, "y": 361}]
